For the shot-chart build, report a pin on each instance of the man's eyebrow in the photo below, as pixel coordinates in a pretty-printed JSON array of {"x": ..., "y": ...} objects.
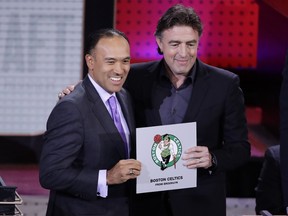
[
  {"x": 178, "y": 41},
  {"x": 192, "y": 41},
  {"x": 113, "y": 58},
  {"x": 174, "y": 41},
  {"x": 109, "y": 58},
  {"x": 128, "y": 58}
]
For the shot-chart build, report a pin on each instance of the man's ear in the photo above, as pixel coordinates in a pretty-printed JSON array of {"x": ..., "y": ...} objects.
[
  {"x": 159, "y": 43},
  {"x": 89, "y": 61}
]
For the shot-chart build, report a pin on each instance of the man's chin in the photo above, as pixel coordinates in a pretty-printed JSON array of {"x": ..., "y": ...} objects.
[{"x": 116, "y": 88}]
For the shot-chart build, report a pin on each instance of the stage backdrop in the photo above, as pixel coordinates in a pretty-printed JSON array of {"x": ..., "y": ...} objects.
[
  {"x": 41, "y": 52},
  {"x": 238, "y": 34}
]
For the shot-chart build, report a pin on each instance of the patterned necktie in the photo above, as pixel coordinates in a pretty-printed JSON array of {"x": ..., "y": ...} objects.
[{"x": 117, "y": 120}]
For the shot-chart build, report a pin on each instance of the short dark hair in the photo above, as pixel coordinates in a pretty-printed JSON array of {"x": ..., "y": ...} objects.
[
  {"x": 178, "y": 15},
  {"x": 94, "y": 37}
]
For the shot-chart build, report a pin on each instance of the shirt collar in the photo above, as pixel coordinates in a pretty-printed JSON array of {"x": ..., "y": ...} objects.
[
  {"x": 191, "y": 74},
  {"x": 102, "y": 92}
]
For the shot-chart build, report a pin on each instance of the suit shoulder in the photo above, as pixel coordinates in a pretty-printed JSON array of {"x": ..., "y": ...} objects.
[
  {"x": 141, "y": 72},
  {"x": 221, "y": 72},
  {"x": 76, "y": 96},
  {"x": 147, "y": 67},
  {"x": 217, "y": 75},
  {"x": 143, "y": 65}
]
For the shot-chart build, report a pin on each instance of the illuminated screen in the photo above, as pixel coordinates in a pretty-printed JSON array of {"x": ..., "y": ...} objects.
[{"x": 41, "y": 52}]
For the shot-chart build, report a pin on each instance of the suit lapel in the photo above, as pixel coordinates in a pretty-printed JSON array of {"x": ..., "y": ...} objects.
[
  {"x": 128, "y": 113},
  {"x": 126, "y": 109},
  {"x": 150, "y": 86},
  {"x": 102, "y": 114},
  {"x": 199, "y": 93}
]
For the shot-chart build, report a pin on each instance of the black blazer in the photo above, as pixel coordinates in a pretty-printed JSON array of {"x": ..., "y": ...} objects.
[
  {"x": 268, "y": 192},
  {"x": 80, "y": 140},
  {"x": 217, "y": 105}
]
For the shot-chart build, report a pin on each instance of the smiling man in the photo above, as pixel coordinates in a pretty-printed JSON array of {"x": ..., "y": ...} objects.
[
  {"x": 85, "y": 161},
  {"x": 181, "y": 88}
]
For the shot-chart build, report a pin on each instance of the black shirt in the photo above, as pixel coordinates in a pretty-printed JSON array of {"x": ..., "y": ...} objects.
[{"x": 173, "y": 102}]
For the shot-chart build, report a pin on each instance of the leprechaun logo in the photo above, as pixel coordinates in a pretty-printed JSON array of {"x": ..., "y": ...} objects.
[{"x": 166, "y": 150}]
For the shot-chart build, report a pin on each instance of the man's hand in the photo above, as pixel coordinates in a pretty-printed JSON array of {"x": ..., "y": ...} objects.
[
  {"x": 197, "y": 157},
  {"x": 123, "y": 171},
  {"x": 66, "y": 91}
]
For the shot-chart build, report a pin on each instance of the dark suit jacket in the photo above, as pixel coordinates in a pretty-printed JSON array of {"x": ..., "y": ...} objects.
[
  {"x": 217, "y": 105},
  {"x": 81, "y": 139},
  {"x": 269, "y": 191},
  {"x": 284, "y": 131}
]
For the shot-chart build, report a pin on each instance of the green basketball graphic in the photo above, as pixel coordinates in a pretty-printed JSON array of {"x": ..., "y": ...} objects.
[{"x": 166, "y": 150}]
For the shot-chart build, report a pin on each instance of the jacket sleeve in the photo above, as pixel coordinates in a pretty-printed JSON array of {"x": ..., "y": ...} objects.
[
  {"x": 61, "y": 167},
  {"x": 235, "y": 149}
]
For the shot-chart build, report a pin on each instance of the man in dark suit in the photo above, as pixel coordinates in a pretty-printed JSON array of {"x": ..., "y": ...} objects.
[
  {"x": 85, "y": 162},
  {"x": 178, "y": 89},
  {"x": 284, "y": 132},
  {"x": 268, "y": 194}
]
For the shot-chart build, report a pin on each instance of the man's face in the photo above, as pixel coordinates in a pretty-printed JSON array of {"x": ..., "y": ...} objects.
[
  {"x": 109, "y": 63},
  {"x": 179, "y": 45}
]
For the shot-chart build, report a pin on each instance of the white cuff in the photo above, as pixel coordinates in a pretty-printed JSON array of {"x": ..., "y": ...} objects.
[{"x": 102, "y": 188}]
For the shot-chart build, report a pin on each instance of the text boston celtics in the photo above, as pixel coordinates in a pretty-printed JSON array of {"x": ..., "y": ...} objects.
[{"x": 166, "y": 179}]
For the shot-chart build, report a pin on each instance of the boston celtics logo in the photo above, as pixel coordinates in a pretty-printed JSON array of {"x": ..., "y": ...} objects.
[{"x": 166, "y": 150}]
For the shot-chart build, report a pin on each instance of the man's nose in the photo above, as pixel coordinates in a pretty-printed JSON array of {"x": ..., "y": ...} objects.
[
  {"x": 183, "y": 50},
  {"x": 119, "y": 68}
]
